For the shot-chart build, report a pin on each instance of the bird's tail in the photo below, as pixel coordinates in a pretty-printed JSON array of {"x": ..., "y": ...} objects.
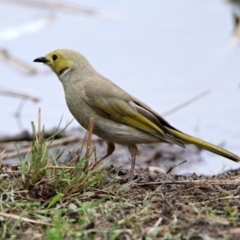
[{"x": 203, "y": 144}]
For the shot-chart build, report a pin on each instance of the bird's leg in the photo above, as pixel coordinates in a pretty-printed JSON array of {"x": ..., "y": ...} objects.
[
  {"x": 133, "y": 151},
  {"x": 110, "y": 150}
]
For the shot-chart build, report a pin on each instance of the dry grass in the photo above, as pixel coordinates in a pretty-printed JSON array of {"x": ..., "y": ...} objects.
[{"x": 42, "y": 200}]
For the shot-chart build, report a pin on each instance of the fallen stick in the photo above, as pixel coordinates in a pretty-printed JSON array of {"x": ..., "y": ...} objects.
[
  {"x": 19, "y": 217},
  {"x": 195, "y": 182},
  {"x": 17, "y": 63},
  {"x": 64, "y": 140},
  {"x": 18, "y": 95},
  {"x": 188, "y": 102}
]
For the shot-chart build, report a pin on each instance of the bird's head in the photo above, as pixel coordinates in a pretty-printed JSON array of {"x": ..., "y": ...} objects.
[{"x": 62, "y": 61}]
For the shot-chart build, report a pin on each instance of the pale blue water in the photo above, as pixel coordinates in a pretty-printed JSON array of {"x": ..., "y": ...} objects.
[{"x": 162, "y": 52}]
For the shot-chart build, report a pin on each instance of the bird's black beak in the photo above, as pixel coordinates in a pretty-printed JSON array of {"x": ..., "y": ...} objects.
[{"x": 41, "y": 59}]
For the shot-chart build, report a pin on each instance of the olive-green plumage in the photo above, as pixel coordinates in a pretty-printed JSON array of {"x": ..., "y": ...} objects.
[{"x": 118, "y": 117}]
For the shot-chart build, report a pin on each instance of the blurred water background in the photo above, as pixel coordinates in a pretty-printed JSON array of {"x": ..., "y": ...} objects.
[{"x": 162, "y": 52}]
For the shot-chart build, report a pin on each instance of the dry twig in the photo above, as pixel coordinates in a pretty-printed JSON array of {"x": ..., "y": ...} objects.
[
  {"x": 64, "y": 140},
  {"x": 17, "y": 217},
  {"x": 17, "y": 63},
  {"x": 188, "y": 102}
]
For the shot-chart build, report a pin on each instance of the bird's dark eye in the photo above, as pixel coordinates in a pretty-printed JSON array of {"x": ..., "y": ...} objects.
[{"x": 54, "y": 57}]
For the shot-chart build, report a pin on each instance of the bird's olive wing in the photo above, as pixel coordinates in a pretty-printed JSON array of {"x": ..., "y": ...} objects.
[
  {"x": 120, "y": 107},
  {"x": 145, "y": 111},
  {"x": 140, "y": 105},
  {"x": 122, "y": 111}
]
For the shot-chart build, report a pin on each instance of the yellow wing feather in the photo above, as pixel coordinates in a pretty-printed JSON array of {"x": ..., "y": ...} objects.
[{"x": 143, "y": 123}]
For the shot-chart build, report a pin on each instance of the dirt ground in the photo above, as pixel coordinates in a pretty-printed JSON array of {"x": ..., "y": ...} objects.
[
  {"x": 155, "y": 205},
  {"x": 161, "y": 206}
]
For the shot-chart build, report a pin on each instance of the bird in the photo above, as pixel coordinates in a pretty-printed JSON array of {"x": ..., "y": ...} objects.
[{"x": 119, "y": 118}]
